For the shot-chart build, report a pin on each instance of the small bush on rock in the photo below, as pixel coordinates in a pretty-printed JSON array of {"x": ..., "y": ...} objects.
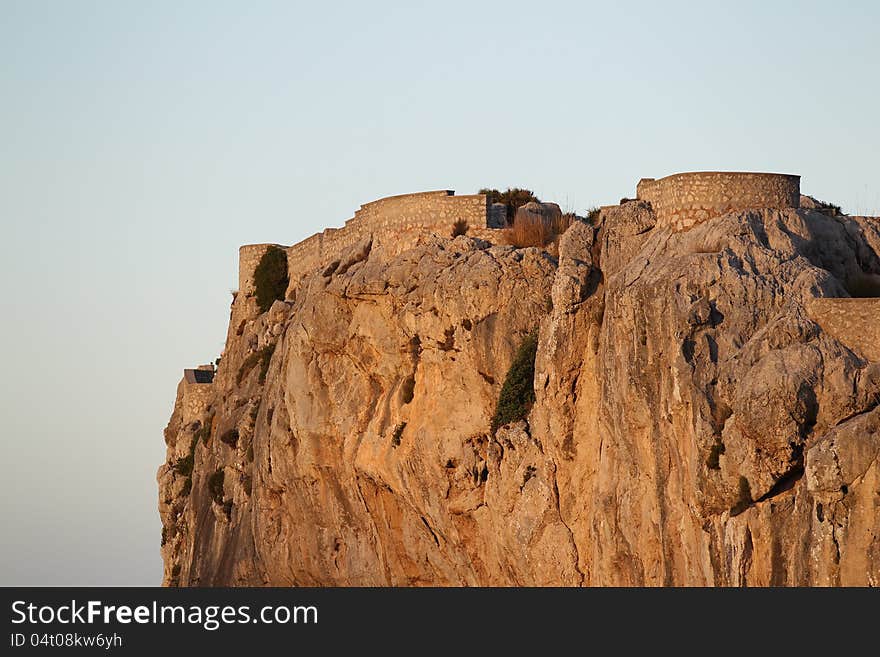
[
  {"x": 271, "y": 278},
  {"x": 518, "y": 392},
  {"x": 215, "y": 485}
]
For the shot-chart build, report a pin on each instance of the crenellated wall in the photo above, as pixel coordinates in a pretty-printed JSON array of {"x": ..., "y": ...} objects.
[
  {"x": 685, "y": 199},
  {"x": 854, "y": 322}
]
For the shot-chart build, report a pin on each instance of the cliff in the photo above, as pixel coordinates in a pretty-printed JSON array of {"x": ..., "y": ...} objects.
[{"x": 699, "y": 418}]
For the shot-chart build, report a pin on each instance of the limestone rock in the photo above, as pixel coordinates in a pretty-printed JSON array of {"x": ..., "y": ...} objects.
[
  {"x": 693, "y": 424},
  {"x": 532, "y": 210}
]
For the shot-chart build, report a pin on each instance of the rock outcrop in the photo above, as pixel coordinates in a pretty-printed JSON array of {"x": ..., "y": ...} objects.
[
  {"x": 693, "y": 424},
  {"x": 534, "y": 211}
]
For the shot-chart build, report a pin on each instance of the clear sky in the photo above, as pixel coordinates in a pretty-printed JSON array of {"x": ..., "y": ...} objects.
[{"x": 142, "y": 142}]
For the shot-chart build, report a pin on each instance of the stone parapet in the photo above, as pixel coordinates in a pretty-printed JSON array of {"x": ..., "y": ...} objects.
[
  {"x": 685, "y": 199},
  {"x": 198, "y": 394},
  {"x": 395, "y": 224}
]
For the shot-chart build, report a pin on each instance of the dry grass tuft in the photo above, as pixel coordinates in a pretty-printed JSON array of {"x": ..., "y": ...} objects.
[{"x": 536, "y": 231}]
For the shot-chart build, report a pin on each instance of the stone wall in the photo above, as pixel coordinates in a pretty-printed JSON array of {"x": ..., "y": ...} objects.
[
  {"x": 196, "y": 399},
  {"x": 853, "y": 322},
  {"x": 685, "y": 199},
  {"x": 395, "y": 223}
]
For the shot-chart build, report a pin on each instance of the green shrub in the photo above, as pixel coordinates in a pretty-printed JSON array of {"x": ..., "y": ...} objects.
[
  {"x": 271, "y": 277},
  {"x": 185, "y": 464},
  {"x": 513, "y": 198},
  {"x": 230, "y": 437},
  {"x": 460, "y": 227},
  {"x": 263, "y": 357},
  {"x": 215, "y": 485},
  {"x": 831, "y": 209},
  {"x": 593, "y": 215},
  {"x": 518, "y": 391}
]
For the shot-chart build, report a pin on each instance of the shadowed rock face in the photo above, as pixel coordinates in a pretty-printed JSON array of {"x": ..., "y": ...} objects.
[{"x": 693, "y": 424}]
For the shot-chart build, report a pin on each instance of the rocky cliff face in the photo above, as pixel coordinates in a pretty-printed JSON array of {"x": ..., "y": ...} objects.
[{"x": 693, "y": 425}]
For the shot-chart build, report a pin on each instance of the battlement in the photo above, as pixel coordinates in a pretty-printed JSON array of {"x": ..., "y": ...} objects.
[
  {"x": 685, "y": 199},
  {"x": 853, "y": 322}
]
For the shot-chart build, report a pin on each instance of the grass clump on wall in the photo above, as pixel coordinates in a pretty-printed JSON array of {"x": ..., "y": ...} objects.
[
  {"x": 518, "y": 392},
  {"x": 460, "y": 227}
]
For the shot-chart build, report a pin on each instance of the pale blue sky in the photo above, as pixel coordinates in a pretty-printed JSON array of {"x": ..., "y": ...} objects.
[{"x": 142, "y": 142}]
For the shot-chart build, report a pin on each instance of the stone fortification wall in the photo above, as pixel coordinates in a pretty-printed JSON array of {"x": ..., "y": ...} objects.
[
  {"x": 395, "y": 223},
  {"x": 685, "y": 199},
  {"x": 195, "y": 399},
  {"x": 854, "y": 322}
]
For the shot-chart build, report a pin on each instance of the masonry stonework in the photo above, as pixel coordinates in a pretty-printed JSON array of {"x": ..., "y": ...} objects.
[
  {"x": 395, "y": 224},
  {"x": 197, "y": 393},
  {"x": 685, "y": 199},
  {"x": 853, "y": 322}
]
